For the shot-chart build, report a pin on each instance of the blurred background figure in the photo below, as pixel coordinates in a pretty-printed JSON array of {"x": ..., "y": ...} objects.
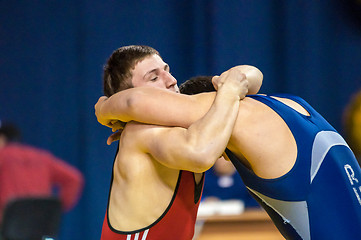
[
  {"x": 222, "y": 183},
  {"x": 352, "y": 124},
  {"x": 26, "y": 171},
  {"x": 224, "y": 192}
]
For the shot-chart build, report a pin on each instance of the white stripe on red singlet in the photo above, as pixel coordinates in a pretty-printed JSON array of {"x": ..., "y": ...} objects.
[
  {"x": 145, "y": 234},
  {"x": 136, "y": 236}
]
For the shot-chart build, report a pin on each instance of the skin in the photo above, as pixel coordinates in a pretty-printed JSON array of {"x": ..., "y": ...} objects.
[
  {"x": 154, "y": 72},
  {"x": 123, "y": 107},
  {"x": 150, "y": 157},
  {"x": 260, "y": 138}
]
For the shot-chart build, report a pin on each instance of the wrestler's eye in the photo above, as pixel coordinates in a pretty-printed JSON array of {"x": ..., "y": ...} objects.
[{"x": 154, "y": 79}]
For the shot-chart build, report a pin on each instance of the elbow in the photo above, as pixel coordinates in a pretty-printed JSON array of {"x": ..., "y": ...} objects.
[
  {"x": 255, "y": 78},
  {"x": 202, "y": 161},
  {"x": 131, "y": 101},
  {"x": 204, "y": 164},
  {"x": 132, "y": 105},
  {"x": 257, "y": 74}
]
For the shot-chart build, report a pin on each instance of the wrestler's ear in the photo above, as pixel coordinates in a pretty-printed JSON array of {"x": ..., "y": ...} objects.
[{"x": 215, "y": 82}]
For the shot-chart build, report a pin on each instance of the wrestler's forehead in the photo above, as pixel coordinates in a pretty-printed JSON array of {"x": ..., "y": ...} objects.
[{"x": 148, "y": 64}]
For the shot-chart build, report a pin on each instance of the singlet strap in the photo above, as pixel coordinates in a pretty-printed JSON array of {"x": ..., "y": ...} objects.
[{"x": 198, "y": 189}]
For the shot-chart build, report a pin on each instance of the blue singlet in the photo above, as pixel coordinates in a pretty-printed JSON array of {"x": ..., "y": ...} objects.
[{"x": 320, "y": 197}]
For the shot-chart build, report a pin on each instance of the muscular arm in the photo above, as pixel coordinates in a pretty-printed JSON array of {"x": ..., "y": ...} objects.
[
  {"x": 198, "y": 147},
  {"x": 147, "y": 104}
]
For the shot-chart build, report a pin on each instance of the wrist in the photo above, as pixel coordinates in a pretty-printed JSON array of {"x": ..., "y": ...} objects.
[{"x": 227, "y": 93}]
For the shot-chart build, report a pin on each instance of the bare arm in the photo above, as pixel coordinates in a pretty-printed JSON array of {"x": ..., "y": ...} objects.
[
  {"x": 146, "y": 104},
  {"x": 198, "y": 147}
]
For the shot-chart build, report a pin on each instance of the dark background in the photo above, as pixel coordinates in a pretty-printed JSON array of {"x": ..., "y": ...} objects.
[{"x": 52, "y": 53}]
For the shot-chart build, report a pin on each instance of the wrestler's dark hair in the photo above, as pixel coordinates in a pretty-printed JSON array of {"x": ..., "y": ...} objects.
[
  {"x": 197, "y": 85},
  {"x": 117, "y": 73},
  {"x": 10, "y": 131}
]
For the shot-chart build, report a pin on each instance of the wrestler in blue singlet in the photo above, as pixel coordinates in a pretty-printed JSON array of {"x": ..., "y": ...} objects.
[{"x": 320, "y": 197}]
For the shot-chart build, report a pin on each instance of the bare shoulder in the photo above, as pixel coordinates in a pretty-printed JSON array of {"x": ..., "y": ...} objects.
[
  {"x": 135, "y": 131},
  {"x": 136, "y": 128},
  {"x": 255, "y": 134},
  {"x": 293, "y": 105},
  {"x": 135, "y": 145},
  {"x": 140, "y": 136},
  {"x": 259, "y": 119},
  {"x": 254, "y": 107}
]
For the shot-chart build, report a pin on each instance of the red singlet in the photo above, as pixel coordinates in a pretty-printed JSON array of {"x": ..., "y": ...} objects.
[{"x": 176, "y": 223}]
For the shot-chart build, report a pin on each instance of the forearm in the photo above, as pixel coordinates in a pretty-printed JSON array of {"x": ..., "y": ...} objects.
[
  {"x": 210, "y": 134},
  {"x": 117, "y": 107},
  {"x": 145, "y": 104},
  {"x": 199, "y": 146}
]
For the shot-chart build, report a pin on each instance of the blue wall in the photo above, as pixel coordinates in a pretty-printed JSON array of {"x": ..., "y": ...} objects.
[{"x": 52, "y": 53}]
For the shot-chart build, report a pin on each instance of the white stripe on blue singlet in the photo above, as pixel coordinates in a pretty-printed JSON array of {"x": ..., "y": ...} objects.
[{"x": 323, "y": 142}]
